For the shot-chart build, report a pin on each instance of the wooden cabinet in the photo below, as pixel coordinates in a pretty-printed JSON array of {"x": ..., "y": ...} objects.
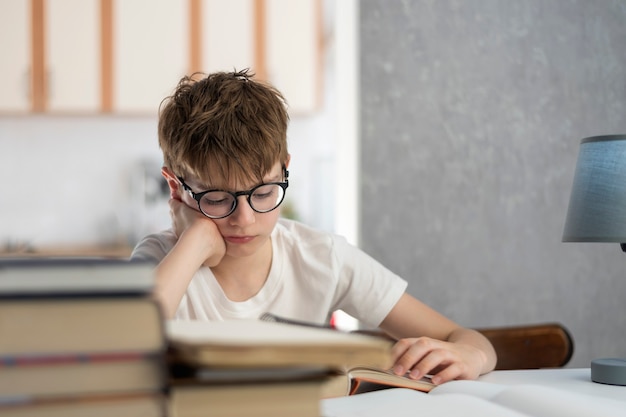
[
  {"x": 227, "y": 35},
  {"x": 50, "y": 56},
  {"x": 72, "y": 67},
  {"x": 150, "y": 52},
  {"x": 293, "y": 49},
  {"x": 15, "y": 88},
  {"x": 280, "y": 40},
  {"x": 124, "y": 57}
]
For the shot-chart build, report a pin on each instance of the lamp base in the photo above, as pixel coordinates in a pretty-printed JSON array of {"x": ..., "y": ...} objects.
[{"x": 610, "y": 371}]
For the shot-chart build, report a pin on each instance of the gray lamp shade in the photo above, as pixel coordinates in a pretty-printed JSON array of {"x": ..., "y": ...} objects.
[{"x": 597, "y": 206}]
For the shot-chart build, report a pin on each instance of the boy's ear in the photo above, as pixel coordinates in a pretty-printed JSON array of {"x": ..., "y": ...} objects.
[
  {"x": 287, "y": 161},
  {"x": 172, "y": 182}
]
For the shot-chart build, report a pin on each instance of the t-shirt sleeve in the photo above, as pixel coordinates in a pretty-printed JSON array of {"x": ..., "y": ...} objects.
[
  {"x": 366, "y": 289},
  {"x": 154, "y": 247}
]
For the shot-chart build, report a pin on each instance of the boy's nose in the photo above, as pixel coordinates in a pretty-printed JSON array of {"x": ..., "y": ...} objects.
[{"x": 243, "y": 213}]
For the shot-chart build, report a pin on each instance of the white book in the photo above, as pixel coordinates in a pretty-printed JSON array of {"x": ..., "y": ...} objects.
[
  {"x": 474, "y": 398},
  {"x": 74, "y": 276},
  {"x": 404, "y": 402}
]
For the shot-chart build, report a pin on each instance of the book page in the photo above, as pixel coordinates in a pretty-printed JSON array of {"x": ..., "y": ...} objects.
[
  {"x": 480, "y": 389},
  {"x": 552, "y": 402},
  {"x": 402, "y": 402},
  {"x": 366, "y": 379},
  {"x": 535, "y": 400},
  {"x": 575, "y": 380}
]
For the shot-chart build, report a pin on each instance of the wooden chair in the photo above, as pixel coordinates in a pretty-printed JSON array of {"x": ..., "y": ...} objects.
[
  {"x": 534, "y": 346},
  {"x": 546, "y": 345}
]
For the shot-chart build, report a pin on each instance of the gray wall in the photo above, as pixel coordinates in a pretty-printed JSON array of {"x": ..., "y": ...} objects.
[{"x": 471, "y": 117}]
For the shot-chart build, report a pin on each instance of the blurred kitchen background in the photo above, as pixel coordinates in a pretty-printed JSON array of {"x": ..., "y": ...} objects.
[
  {"x": 441, "y": 136},
  {"x": 79, "y": 93}
]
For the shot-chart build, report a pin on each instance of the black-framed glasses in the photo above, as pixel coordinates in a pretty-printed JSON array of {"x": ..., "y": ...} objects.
[{"x": 217, "y": 204}]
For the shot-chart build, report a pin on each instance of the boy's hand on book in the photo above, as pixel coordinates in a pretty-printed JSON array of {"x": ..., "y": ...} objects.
[
  {"x": 445, "y": 361},
  {"x": 190, "y": 221}
]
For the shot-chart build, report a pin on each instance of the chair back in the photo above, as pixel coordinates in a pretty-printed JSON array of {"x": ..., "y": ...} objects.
[{"x": 545, "y": 345}]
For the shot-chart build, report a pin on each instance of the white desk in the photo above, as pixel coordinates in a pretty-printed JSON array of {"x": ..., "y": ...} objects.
[{"x": 523, "y": 393}]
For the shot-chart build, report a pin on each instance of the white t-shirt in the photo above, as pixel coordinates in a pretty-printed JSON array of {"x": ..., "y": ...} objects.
[{"x": 313, "y": 273}]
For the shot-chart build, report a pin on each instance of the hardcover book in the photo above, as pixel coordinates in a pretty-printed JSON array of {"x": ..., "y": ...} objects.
[
  {"x": 255, "y": 343},
  {"x": 58, "y": 376},
  {"x": 61, "y": 326},
  {"x": 22, "y": 277}
]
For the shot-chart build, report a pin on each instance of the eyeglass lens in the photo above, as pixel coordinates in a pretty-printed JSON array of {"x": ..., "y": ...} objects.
[{"x": 264, "y": 198}]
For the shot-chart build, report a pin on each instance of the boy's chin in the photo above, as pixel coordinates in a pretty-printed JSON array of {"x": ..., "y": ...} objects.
[{"x": 241, "y": 250}]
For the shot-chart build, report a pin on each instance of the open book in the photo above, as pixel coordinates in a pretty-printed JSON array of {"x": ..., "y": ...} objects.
[
  {"x": 362, "y": 379},
  {"x": 353, "y": 377},
  {"x": 464, "y": 398},
  {"x": 359, "y": 362}
]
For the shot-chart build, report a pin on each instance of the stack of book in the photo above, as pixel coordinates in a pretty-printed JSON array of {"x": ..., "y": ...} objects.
[
  {"x": 257, "y": 368},
  {"x": 80, "y": 337}
]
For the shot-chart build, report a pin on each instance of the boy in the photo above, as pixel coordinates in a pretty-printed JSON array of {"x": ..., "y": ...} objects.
[{"x": 228, "y": 254}]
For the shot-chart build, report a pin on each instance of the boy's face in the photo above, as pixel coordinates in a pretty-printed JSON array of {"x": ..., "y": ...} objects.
[{"x": 244, "y": 231}]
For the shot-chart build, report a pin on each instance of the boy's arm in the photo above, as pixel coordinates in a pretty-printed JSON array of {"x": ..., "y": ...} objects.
[
  {"x": 430, "y": 343},
  {"x": 199, "y": 243}
]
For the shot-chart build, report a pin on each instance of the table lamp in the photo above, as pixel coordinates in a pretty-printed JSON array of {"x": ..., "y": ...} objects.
[{"x": 597, "y": 213}]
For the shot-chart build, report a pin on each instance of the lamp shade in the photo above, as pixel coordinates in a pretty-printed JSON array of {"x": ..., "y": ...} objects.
[{"x": 597, "y": 206}]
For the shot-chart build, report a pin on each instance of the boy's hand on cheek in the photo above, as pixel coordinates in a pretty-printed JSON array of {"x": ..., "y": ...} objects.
[
  {"x": 183, "y": 217},
  {"x": 218, "y": 252},
  {"x": 200, "y": 228}
]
